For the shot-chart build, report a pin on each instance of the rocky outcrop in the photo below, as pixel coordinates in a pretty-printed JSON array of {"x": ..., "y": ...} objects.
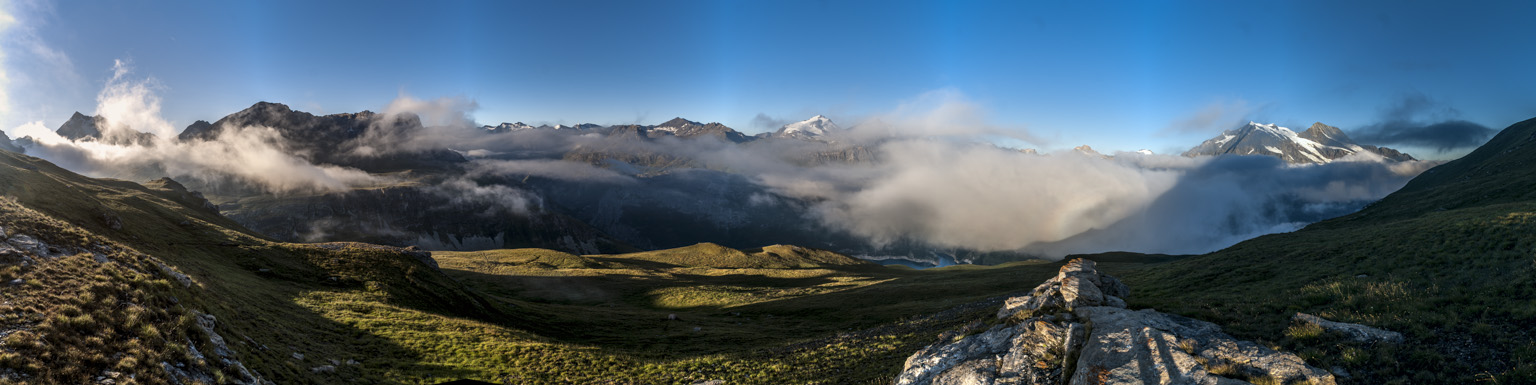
[
  {"x": 1354, "y": 332},
  {"x": 6, "y": 144},
  {"x": 84, "y": 127},
  {"x": 1075, "y": 329}
]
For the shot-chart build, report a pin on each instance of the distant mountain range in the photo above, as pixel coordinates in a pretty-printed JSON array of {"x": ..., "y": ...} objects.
[
  {"x": 1320, "y": 143},
  {"x": 678, "y": 199},
  {"x": 520, "y": 126}
]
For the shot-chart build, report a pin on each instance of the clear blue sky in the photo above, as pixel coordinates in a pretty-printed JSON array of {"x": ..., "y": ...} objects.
[{"x": 1116, "y": 75}]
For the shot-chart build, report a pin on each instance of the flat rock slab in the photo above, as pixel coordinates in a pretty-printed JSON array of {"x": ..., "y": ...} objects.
[
  {"x": 1355, "y": 332},
  {"x": 1075, "y": 327}
]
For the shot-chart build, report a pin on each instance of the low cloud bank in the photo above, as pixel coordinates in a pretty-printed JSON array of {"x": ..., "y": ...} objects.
[
  {"x": 1416, "y": 120},
  {"x": 129, "y": 107}
]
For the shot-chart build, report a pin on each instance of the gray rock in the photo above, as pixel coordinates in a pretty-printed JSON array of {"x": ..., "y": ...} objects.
[
  {"x": 110, "y": 219},
  {"x": 1078, "y": 283},
  {"x": 206, "y": 322},
  {"x": 1146, "y": 346},
  {"x": 1075, "y": 327},
  {"x": 1114, "y": 288},
  {"x": 1079, "y": 291},
  {"x": 323, "y": 369},
  {"x": 192, "y": 350},
  {"x": 178, "y": 276},
  {"x": 245, "y": 375},
  {"x": 1355, "y": 332},
  {"x": 30, "y": 245},
  {"x": 933, "y": 360}
]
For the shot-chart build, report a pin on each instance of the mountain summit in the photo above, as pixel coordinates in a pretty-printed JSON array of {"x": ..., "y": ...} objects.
[
  {"x": 814, "y": 128},
  {"x": 682, "y": 128},
  {"x": 1319, "y": 144}
]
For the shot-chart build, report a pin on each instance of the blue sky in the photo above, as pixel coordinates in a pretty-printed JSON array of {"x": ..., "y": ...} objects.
[{"x": 1115, "y": 75}]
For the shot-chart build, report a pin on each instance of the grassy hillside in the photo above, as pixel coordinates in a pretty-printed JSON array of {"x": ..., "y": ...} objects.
[
  {"x": 1449, "y": 261},
  {"x": 782, "y": 314},
  {"x": 132, "y": 269}
]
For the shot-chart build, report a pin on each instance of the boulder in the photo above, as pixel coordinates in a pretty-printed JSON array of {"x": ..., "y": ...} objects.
[
  {"x": 1074, "y": 329},
  {"x": 206, "y": 322},
  {"x": 186, "y": 281},
  {"x": 1077, "y": 284},
  {"x": 1150, "y": 347},
  {"x": 30, "y": 245},
  {"x": 1354, "y": 332},
  {"x": 1028, "y": 353}
]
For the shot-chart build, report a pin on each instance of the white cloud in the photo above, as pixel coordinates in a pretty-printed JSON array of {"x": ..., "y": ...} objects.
[
  {"x": 1214, "y": 117},
  {"x": 247, "y": 155}
]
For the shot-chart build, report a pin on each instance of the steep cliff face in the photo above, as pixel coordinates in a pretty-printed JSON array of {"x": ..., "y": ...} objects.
[{"x": 1075, "y": 329}]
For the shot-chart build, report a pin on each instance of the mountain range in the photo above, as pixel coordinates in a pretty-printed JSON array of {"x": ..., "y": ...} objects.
[
  {"x": 1319, "y": 143},
  {"x": 675, "y": 198}
]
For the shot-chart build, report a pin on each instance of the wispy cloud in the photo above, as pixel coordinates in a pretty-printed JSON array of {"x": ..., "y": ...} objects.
[
  {"x": 764, "y": 122},
  {"x": 941, "y": 113},
  {"x": 247, "y": 155},
  {"x": 1415, "y": 119},
  {"x": 1214, "y": 117}
]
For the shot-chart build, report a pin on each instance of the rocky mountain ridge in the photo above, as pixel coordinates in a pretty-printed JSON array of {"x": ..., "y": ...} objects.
[
  {"x": 83, "y": 127},
  {"x": 1320, "y": 143}
]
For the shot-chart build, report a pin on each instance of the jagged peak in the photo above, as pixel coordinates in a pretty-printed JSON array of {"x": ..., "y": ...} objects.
[
  {"x": 1323, "y": 133},
  {"x": 818, "y": 125},
  {"x": 267, "y": 104},
  {"x": 679, "y": 122}
]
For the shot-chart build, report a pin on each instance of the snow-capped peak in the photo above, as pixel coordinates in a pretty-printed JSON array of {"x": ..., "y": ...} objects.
[
  {"x": 1318, "y": 144},
  {"x": 504, "y": 127},
  {"x": 814, "y": 127}
]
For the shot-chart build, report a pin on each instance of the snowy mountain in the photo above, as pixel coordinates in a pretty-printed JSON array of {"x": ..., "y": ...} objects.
[
  {"x": 520, "y": 126},
  {"x": 1319, "y": 144},
  {"x": 815, "y": 128},
  {"x": 509, "y": 127}
]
